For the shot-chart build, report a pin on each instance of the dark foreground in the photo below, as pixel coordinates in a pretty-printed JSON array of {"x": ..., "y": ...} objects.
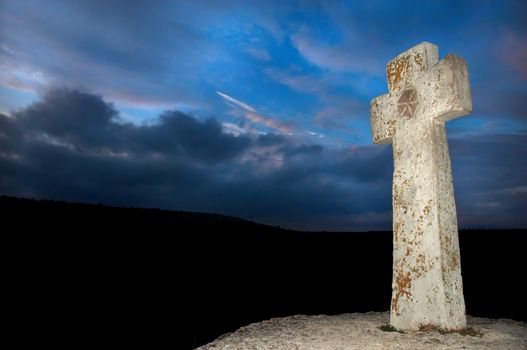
[{"x": 86, "y": 274}]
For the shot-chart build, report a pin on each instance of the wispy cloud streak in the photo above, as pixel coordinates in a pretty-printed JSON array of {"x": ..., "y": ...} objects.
[
  {"x": 236, "y": 102},
  {"x": 252, "y": 115}
]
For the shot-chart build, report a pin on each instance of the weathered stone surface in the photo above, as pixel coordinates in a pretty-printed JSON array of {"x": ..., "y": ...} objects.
[
  {"x": 361, "y": 332},
  {"x": 424, "y": 94}
]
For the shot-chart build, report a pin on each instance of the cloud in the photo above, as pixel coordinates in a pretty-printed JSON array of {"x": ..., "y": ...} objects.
[
  {"x": 493, "y": 101},
  {"x": 90, "y": 125},
  {"x": 252, "y": 115},
  {"x": 347, "y": 57},
  {"x": 238, "y": 103},
  {"x": 259, "y": 53},
  {"x": 127, "y": 52},
  {"x": 299, "y": 82},
  {"x": 339, "y": 104},
  {"x": 71, "y": 145},
  {"x": 490, "y": 179},
  {"x": 325, "y": 61},
  {"x": 512, "y": 49},
  {"x": 343, "y": 113}
]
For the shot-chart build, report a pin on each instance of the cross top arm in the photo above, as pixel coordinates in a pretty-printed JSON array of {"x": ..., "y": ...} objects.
[
  {"x": 420, "y": 86},
  {"x": 445, "y": 90}
]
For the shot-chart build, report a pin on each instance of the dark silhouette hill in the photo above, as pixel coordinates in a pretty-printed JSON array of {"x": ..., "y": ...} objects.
[{"x": 93, "y": 274}]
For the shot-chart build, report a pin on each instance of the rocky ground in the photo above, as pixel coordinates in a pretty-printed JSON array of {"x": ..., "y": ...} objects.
[{"x": 361, "y": 331}]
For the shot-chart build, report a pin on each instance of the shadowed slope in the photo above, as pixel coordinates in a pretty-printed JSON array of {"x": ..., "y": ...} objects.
[{"x": 147, "y": 275}]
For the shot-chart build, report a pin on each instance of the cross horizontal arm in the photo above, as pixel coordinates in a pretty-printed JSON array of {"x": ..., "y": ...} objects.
[
  {"x": 448, "y": 86},
  {"x": 383, "y": 114}
]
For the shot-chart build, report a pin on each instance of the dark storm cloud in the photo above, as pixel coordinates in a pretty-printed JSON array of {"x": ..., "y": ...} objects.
[
  {"x": 86, "y": 123},
  {"x": 177, "y": 131},
  {"x": 484, "y": 158},
  {"x": 71, "y": 116},
  {"x": 9, "y": 132},
  {"x": 270, "y": 140},
  {"x": 490, "y": 182},
  {"x": 499, "y": 104},
  {"x": 72, "y": 145}
]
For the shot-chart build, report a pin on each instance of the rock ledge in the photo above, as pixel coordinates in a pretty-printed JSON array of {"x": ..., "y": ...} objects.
[{"x": 361, "y": 331}]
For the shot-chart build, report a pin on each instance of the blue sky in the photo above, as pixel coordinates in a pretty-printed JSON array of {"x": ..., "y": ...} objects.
[{"x": 275, "y": 76}]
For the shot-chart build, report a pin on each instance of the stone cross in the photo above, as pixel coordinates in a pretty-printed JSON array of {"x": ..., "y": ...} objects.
[{"x": 423, "y": 94}]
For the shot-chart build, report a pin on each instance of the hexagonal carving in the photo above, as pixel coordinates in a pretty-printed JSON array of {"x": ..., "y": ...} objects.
[{"x": 408, "y": 103}]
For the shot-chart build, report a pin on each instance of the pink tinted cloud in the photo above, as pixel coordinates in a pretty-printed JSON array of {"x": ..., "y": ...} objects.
[{"x": 512, "y": 49}]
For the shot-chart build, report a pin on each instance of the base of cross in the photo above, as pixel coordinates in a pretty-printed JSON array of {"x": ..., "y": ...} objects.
[{"x": 369, "y": 331}]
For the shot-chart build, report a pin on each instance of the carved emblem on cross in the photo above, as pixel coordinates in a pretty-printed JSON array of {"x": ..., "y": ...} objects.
[{"x": 408, "y": 103}]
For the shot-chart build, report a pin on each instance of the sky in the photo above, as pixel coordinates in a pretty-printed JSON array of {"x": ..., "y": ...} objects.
[{"x": 256, "y": 109}]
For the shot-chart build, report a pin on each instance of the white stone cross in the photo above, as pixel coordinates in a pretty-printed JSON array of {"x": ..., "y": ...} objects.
[{"x": 424, "y": 94}]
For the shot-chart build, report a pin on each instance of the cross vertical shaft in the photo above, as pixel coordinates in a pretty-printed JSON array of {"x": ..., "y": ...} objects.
[{"x": 424, "y": 93}]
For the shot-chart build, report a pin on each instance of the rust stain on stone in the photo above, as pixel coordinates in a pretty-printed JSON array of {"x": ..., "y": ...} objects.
[
  {"x": 408, "y": 251},
  {"x": 403, "y": 283},
  {"x": 396, "y": 194},
  {"x": 421, "y": 267},
  {"x": 396, "y": 70},
  {"x": 419, "y": 60},
  {"x": 397, "y": 227},
  {"x": 427, "y": 208},
  {"x": 453, "y": 262},
  {"x": 450, "y": 265},
  {"x": 446, "y": 240}
]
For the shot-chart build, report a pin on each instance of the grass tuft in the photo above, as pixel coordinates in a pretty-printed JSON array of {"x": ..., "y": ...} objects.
[{"x": 389, "y": 328}]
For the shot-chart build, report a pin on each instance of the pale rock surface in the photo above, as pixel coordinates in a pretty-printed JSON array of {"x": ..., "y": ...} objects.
[{"x": 361, "y": 332}]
